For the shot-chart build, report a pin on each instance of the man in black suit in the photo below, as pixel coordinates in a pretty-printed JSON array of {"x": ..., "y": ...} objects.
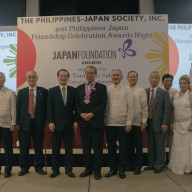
[
  {"x": 91, "y": 100},
  {"x": 30, "y": 119},
  {"x": 61, "y": 119}
]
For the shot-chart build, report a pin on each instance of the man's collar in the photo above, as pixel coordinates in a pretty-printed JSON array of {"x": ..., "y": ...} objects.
[
  {"x": 34, "y": 88},
  {"x": 61, "y": 86}
]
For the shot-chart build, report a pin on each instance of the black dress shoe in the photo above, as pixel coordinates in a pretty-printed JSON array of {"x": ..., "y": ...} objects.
[
  {"x": 70, "y": 173},
  {"x": 111, "y": 173},
  {"x": 23, "y": 172},
  {"x": 97, "y": 176},
  {"x": 137, "y": 171},
  {"x": 54, "y": 174},
  {"x": 149, "y": 168},
  {"x": 122, "y": 175},
  {"x": 7, "y": 174},
  {"x": 85, "y": 173},
  {"x": 41, "y": 172},
  {"x": 157, "y": 171}
]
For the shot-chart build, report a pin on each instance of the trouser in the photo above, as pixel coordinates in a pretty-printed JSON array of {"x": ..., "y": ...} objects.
[
  {"x": 6, "y": 137},
  {"x": 92, "y": 138},
  {"x": 113, "y": 133},
  {"x": 135, "y": 151},
  {"x": 156, "y": 146},
  {"x": 67, "y": 137},
  {"x": 24, "y": 142}
]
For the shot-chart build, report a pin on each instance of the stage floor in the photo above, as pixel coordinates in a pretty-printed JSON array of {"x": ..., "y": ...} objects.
[{"x": 146, "y": 182}]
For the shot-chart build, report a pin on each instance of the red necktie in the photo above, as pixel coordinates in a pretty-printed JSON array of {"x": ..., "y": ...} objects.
[{"x": 31, "y": 107}]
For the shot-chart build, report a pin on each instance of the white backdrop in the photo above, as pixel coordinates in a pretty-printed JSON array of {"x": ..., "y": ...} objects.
[{"x": 128, "y": 42}]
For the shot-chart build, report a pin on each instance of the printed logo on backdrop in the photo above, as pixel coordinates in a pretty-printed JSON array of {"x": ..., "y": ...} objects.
[
  {"x": 11, "y": 60},
  {"x": 8, "y": 55}
]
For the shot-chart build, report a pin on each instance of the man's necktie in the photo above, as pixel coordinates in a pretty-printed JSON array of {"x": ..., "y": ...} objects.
[
  {"x": 31, "y": 107},
  {"x": 151, "y": 104},
  {"x": 64, "y": 95}
]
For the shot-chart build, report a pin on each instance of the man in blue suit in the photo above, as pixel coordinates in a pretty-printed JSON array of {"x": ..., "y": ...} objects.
[
  {"x": 31, "y": 107},
  {"x": 62, "y": 122}
]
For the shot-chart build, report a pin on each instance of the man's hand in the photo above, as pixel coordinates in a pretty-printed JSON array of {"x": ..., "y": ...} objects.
[
  {"x": 17, "y": 127},
  {"x": 75, "y": 126},
  {"x": 87, "y": 116},
  {"x": 82, "y": 115},
  {"x": 163, "y": 128},
  {"x": 12, "y": 127},
  {"x": 143, "y": 126},
  {"x": 128, "y": 128},
  {"x": 52, "y": 127}
]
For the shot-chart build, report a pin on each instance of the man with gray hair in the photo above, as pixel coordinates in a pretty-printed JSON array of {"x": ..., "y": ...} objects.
[
  {"x": 7, "y": 122},
  {"x": 31, "y": 119},
  {"x": 91, "y": 99},
  {"x": 157, "y": 123},
  {"x": 119, "y": 116}
]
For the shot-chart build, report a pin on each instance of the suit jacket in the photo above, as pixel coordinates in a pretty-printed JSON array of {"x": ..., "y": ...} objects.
[
  {"x": 97, "y": 105},
  {"x": 23, "y": 117},
  {"x": 62, "y": 116},
  {"x": 161, "y": 108}
]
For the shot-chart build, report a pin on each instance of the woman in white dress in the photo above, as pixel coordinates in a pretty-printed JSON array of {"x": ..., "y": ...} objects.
[{"x": 181, "y": 154}]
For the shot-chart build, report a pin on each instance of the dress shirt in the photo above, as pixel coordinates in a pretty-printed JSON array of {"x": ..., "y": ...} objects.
[
  {"x": 7, "y": 108},
  {"x": 140, "y": 106},
  {"x": 120, "y": 109}
]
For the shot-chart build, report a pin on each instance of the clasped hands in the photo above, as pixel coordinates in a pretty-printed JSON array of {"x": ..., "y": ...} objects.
[{"x": 87, "y": 116}]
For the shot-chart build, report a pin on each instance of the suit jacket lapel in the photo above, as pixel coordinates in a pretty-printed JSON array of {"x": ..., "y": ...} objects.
[
  {"x": 38, "y": 94},
  {"x": 60, "y": 97},
  {"x": 26, "y": 95},
  {"x": 148, "y": 95},
  {"x": 156, "y": 97},
  {"x": 68, "y": 95}
]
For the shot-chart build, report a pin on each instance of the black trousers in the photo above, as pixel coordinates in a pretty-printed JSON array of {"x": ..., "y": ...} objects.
[
  {"x": 6, "y": 137},
  {"x": 67, "y": 137},
  {"x": 135, "y": 145},
  {"x": 24, "y": 142},
  {"x": 92, "y": 138},
  {"x": 113, "y": 133}
]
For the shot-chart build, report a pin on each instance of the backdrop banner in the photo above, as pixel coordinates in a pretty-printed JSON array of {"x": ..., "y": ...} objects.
[{"x": 127, "y": 42}]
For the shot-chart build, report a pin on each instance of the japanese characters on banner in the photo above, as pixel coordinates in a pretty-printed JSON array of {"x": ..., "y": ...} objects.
[{"x": 127, "y": 42}]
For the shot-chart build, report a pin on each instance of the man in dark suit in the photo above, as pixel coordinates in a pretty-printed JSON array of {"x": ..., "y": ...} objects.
[
  {"x": 30, "y": 119},
  {"x": 61, "y": 119},
  {"x": 91, "y": 100},
  {"x": 157, "y": 123}
]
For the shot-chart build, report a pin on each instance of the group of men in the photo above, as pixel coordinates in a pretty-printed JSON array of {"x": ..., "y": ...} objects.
[{"x": 124, "y": 112}]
